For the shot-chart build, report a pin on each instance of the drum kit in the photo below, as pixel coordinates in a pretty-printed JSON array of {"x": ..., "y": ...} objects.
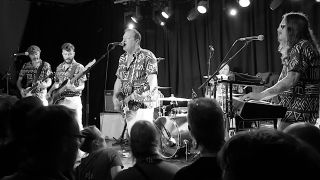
[{"x": 173, "y": 129}]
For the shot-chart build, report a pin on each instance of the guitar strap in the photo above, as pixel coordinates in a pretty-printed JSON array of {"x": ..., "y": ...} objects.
[
  {"x": 38, "y": 72},
  {"x": 73, "y": 70}
]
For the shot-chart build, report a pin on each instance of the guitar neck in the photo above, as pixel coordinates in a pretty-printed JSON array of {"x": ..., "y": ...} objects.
[{"x": 78, "y": 76}]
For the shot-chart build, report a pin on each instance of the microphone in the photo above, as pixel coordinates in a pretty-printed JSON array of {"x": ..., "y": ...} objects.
[
  {"x": 117, "y": 43},
  {"x": 21, "y": 54},
  {"x": 211, "y": 48},
  {"x": 160, "y": 58},
  {"x": 252, "y": 38}
]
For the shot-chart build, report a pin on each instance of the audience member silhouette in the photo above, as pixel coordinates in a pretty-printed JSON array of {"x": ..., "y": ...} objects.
[
  {"x": 6, "y": 103},
  {"x": 12, "y": 153},
  {"x": 144, "y": 143},
  {"x": 306, "y": 132},
  {"x": 101, "y": 163},
  {"x": 206, "y": 125},
  {"x": 268, "y": 154},
  {"x": 52, "y": 142}
]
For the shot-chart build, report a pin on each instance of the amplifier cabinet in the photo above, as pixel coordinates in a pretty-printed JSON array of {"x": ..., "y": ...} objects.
[{"x": 111, "y": 125}]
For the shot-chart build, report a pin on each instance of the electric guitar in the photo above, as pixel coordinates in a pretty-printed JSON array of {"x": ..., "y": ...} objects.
[
  {"x": 29, "y": 90},
  {"x": 55, "y": 96},
  {"x": 133, "y": 102}
]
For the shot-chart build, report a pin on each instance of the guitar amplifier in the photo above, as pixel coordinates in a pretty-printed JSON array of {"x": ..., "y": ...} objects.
[
  {"x": 108, "y": 103},
  {"x": 111, "y": 125}
]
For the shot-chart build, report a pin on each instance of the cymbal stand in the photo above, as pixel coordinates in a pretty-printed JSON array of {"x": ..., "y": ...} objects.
[{"x": 222, "y": 64}]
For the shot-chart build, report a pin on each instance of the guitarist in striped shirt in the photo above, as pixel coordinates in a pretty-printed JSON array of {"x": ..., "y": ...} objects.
[
  {"x": 71, "y": 96},
  {"x": 135, "y": 89},
  {"x": 37, "y": 74}
]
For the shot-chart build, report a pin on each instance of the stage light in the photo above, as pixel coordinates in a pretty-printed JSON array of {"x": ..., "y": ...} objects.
[
  {"x": 166, "y": 12},
  {"x": 130, "y": 26},
  {"x": 193, "y": 14},
  {"x": 233, "y": 11},
  {"x": 202, "y": 7},
  {"x": 136, "y": 17},
  {"x": 199, "y": 8},
  {"x": 244, "y": 3}
]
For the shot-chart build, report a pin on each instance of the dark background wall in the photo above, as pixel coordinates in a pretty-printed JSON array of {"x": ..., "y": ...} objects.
[{"x": 91, "y": 25}]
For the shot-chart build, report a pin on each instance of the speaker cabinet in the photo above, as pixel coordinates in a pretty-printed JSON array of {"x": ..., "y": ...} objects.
[
  {"x": 108, "y": 103},
  {"x": 111, "y": 125}
]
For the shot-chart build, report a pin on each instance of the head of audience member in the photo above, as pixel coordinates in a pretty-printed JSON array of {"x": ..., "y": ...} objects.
[
  {"x": 6, "y": 104},
  {"x": 306, "y": 132},
  {"x": 68, "y": 52},
  {"x": 53, "y": 138},
  {"x": 144, "y": 140},
  {"x": 294, "y": 27},
  {"x": 34, "y": 52},
  {"x": 206, "y": 124},
  {"x": 267, "y": 154},
  {"x": 18, "y": 115},
  {"x": 131, "y": 40},
  {"x": 92, "y": 139}
]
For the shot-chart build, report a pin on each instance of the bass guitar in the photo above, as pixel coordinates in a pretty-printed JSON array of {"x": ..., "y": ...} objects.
[
  {"x": 56, "y": 94},
  {"x": 29, "y": 91}
]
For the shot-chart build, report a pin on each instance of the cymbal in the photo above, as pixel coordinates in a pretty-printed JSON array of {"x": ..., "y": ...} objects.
[{"x": 173, "y": 99}]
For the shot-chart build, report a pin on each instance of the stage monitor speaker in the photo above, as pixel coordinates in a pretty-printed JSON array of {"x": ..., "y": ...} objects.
[
  {"x": 108, "y": 103},
  {"x": 111, "y": 125}
]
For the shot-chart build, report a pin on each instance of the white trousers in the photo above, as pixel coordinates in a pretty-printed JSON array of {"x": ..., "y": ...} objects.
[
  {"x": 141, "y": 114},
  {"x": 75, "y": 104}
]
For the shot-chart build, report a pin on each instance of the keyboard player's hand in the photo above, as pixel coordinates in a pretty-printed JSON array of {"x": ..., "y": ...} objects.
[{"x": 252, "y": 96}]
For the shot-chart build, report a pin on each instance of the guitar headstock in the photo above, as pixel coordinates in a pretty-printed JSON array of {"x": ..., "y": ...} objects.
[{"x": 90, "y": 64}]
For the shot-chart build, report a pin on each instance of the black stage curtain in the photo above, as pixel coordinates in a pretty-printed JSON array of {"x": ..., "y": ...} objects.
[{"x": 184, "y": 44}]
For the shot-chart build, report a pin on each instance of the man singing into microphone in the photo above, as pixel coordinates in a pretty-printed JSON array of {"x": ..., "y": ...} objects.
[
  {"x": 136, "y": 84},
  {"x": 36, "y": 72},
  {"x": 298, "y": 85}
]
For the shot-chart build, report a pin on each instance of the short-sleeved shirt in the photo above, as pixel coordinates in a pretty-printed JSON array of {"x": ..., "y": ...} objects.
[
  {"x": 204, "y": 167},
  {"x": 64, "y": 72},
  {"x": 97, "y": 165},
  {"x": 153, "y": 171},
  {"x": 30, "y": 72},
  {"x": 302, "y": 100},
  {"x": 136, "y": 74}
]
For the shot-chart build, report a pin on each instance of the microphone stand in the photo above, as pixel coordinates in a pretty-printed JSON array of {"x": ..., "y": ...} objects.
[
  {"x": 8, "y": 75},
  {"x": 87, "y": 72},
  {"x": 224, "y": 62},
  {"x": 208, "y": 88},
  {"x": 87, "y": 100}
]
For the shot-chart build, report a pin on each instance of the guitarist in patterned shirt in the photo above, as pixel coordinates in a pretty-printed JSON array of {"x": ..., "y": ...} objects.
[
  {"x": 37, "y": 74},
  {"x": 136, "y": 84},
  {"x": 71, "y": 96}
]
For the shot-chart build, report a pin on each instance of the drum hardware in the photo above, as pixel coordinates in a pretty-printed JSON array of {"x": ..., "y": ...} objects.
[{"x": 175, "y": 138}]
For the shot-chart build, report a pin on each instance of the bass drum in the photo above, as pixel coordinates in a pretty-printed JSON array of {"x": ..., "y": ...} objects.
[{"x": 174, "y": 135}]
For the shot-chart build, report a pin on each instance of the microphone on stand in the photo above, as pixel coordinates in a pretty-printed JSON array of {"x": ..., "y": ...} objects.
[
  {"x": 117, "y": 43},
  {"x": 211, "y": 48},
  {"x": 21, "y": 54},
  {"x": 252, "y": 38}
]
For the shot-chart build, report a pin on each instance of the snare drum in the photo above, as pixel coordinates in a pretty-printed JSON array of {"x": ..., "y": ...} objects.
[{"x": 174, "y": 134}]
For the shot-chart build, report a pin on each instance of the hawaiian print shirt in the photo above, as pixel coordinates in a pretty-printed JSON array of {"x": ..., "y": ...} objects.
[
  {"x": 302, "y": 100},
  {"x": 136, "y": 74},
  {"x": 64, "y": 71},
  {"x": 30, "y": 72}
]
